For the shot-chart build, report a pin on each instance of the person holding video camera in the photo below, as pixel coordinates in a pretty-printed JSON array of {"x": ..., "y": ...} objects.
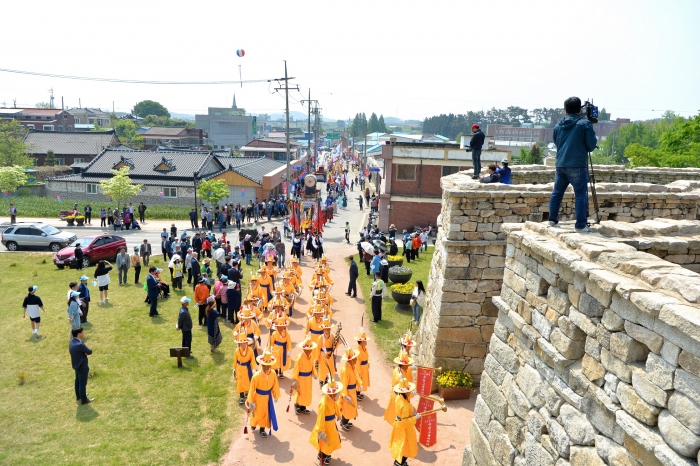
[
  {"x": 575, "y": 138},
  {"x": 475, "y": 144}
]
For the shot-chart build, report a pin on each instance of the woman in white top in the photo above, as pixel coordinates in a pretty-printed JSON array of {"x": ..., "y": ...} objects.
[
  {"x": 419, "y": 298},
  {"x": 102, "y": 277}
]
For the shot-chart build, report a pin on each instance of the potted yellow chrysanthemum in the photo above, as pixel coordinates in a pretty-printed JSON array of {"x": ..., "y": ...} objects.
[{"x": 455, "y": 385}]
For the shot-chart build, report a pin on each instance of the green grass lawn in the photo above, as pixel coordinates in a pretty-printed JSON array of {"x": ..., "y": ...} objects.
[
  {"x": 147, "y": 411},
  {"x": 394, "y": 323},
  {"x": 32, "y": 206}
]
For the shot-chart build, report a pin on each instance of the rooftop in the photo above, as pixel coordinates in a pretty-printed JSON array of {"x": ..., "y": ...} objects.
[{"x": 62, "y": 143}]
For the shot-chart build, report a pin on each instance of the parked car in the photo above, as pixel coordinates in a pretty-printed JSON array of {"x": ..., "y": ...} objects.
[
  {"x": 95, "y": 248},
  {"x": 35, "y": 235}
]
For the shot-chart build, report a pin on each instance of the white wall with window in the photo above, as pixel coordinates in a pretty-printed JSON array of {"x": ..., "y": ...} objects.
[
  {"x": 169, "y": 192},
  {"x": 78, "y": 160},
  {"x": 91, "y": 188}
]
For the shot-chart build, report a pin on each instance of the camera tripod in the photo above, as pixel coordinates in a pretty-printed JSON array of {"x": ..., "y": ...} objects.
[{"x": 591, "y": 181}]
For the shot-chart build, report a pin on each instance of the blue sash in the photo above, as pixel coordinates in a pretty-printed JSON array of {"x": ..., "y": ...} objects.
[
  {"x": 269, "y": 294},
  {"x": 247, "y": 364},
  {"x": 317, "y": 332},
  {"x": 284, "y": 353},
  {"x": 305, "y": 374},
  {"x": 330, "y": 418},
  {"x": 364, "y": 363},
  {"x": 352, "y": 387},
  {"x": 270, "y": 406}
]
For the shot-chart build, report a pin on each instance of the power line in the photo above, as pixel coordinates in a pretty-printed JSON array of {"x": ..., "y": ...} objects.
[{"x": 134, "y": 81}]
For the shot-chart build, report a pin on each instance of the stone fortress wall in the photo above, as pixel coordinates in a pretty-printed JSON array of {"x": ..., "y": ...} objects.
[
  {"x": 595, "y": 353},
  {"x": 469, "y": 261},
  {"x": 540, "y": 174}
]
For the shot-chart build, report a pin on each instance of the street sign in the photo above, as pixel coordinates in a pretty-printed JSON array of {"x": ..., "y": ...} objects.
[
  {"x": 374, "y": 170},
  {"x": 332, "y": 136}
]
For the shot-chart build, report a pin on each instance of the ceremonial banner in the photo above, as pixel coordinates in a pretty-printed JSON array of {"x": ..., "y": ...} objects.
[
  {"x": 424, "y": 404},
  {"x": 428, "y": 432},
  {"x": 424, "y": 382}
]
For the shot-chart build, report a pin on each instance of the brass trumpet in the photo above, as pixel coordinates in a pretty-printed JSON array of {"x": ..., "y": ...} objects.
[
  {"x": 425, "y": 413},
  {"x": 439, "y": 369}
]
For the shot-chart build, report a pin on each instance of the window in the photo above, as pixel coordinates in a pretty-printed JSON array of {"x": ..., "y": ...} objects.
[
  {"x": 78, "y": 160},
  {"x": 406, "y": 172},
  {"x": 98, "y": 242},
  {"x": 77, "y": 120},
  {"x": 91, "y": 121},
  {"x": 169, "y": 192},
  {"x": 48, "y": 128},
  {"x": 60, "y": 128},
  {"x": 30, "y": 126},
  {"x": 69, "y": 129},
  {"x": 91, "y": 188},
  {"x": 23, "y": 231},
  {"x": 60, "y": 161},
  {"x": 449, "y": 170}
]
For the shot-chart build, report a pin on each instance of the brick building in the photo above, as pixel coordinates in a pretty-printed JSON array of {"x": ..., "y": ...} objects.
[
  {"x": 173, "y": 136},
  {"x": 41, "y": 119},
  {"x": 538, "y": 133},
  {"x": 410, "y": 194}
]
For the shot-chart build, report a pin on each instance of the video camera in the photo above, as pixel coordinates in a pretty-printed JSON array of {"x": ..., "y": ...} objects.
[{"x": 589, "y": 112}]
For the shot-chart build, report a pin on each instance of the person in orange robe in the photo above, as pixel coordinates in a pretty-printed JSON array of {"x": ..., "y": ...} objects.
[
  {"x": 402, "y": 443},
  {"x": 403, "y": 371},
  {"x": 314, "y": 328},
  {"x": 248, "y": 326},
  {"x": 281, "y": 346},
  {"x": 350, "y": 380},
  {"x": 362, "y": 362},
  {"x": 243, "y": 365},
  {"x": 326, "y": 359},
  {"x": 263, "y": 393},
  {"x": 303, "y": 371},
  {"x": 325, "y": 436},
  {"x": 266, "y": 284}
]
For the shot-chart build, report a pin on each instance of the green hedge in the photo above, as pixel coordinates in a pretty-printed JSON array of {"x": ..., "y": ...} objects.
[{"x": 31, "y": 206}]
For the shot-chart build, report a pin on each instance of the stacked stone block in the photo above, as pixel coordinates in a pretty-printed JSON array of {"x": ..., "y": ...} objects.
[
  {"x": 594, "y": 357},
  {"x": 540, "y": 174}
]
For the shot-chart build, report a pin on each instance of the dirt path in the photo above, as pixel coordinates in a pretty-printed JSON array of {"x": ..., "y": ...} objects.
[{"x": 367, "y": 442}]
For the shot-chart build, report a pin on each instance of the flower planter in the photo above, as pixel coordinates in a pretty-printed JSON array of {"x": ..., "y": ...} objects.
[
  {"x": 403, "y": 278},
  {"x": 71, "y": 223},
  {"x": 402, "y": 301},
  {"x": 455, "y": 393},
  {"x": 80, "y": 222},
  {"x": 393, "y": 263}
]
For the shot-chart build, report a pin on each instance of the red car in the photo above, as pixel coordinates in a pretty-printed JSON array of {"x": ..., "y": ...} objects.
[{"x": 95, "y": 248}]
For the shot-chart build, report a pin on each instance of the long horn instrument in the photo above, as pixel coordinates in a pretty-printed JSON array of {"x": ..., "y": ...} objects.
[
  {"x": 439, "y": 369},
  {"x": 425, "y": 413}
]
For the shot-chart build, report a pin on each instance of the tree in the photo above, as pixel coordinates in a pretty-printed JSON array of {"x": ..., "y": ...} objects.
[
  {"x": 13, "y": 151},
  {"x": 120, "y": 187},
  {"x": 42, "y": 105},
  {"x": 153, "y": 120},
  {"x": 340, "y": 124},
  {"x": 11, "y": 178},
  {"x": 382, "y": 125},
  {"x": 126, "y": 132},
  {"x": 678, "y": 146},
  {"x": 532, "y": 156},
  {"x": 359, "y": 125},
  {"x": 213, "y": 191},
  {"x": 604, "y": 115},
  {"x": 373, "y": 124},
  {"x": 149, "y": 107},
  {"x": 50, "y": 159}
]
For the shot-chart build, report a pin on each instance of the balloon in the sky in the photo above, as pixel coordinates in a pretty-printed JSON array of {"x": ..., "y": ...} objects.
[{"x": 240, "y": 52}]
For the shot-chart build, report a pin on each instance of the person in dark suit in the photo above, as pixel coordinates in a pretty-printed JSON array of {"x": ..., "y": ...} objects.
[
  {"x": 146, "y": 252},
  {"x": 354, "y": 273},
  {"x": 153, "y": 290},
  {"x": 196, "y": 269},
  {"x": 79, "y": 360},
  {"x": 197, "y": 243}
]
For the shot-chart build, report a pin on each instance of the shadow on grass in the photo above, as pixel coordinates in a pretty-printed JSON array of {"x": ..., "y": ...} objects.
[
  {"x": 33, "y": 339},
  {"x": 158, "y": 320},
  {"x": 85, "y": 413},
  {"x": 218, "y": 357}
]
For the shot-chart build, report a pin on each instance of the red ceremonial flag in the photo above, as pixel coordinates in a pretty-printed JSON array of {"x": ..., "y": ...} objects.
[
  {"x": 428, "y": 432},
  {"x": 424, "y": 381},
  {"x": 424, "y": 404}
]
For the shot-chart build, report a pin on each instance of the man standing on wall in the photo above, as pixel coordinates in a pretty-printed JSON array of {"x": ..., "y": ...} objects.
[
  {"x": 475, "y": 144},
  {"x": 575, "y": 138}
]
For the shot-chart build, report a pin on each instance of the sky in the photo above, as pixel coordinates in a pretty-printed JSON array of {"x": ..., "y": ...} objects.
[{"x": 408, "y": 59}]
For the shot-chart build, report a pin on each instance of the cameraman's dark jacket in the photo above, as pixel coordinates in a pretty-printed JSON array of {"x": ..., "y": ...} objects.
[
  {"x": 477, "y": 140},
  {"x": 575, "y": 138}
]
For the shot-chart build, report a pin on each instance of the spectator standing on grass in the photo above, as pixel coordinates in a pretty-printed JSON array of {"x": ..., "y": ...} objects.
[
  {"x": 375, "y": 265},
  {"x": 213, "y": 330},
  {"x": 201, "y": 294},
  {"x": 146, "y": 252},
  {"x": 164, "y": 247},
  {"x": 136, "y": 264},
  {"x": 177, "y": 273},
  {"x": 152, "y": 291},
  {"x": 73, "y": 310},
  {"x": 79, "y": 360},
  {"x": 34, "y": 306},
  {"x": 84, "y": 297},
  {"x": 475, "y": 144},
  {"x": 78, "y": 252},
  {"x": 418, "y": 299},
  {"x": 574, "y": 137},
  {"x": 184, "y": 324},
  {"x": 123, "y": 264},
  {"x": 102, "y": 276},
  {"x": 195, "y": 268}
]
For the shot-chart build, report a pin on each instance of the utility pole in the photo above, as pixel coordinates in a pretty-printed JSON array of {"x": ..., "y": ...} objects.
[
  {"x": 286, "y": 94},
  {"x": 308, "y": 133}
]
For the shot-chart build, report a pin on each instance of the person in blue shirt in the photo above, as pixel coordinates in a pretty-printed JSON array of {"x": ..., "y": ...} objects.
[
  {"x": 504, "y": 172},
  {"x": 574, "y": 137},
  {"x": 79, "y": 360},
  {"x": 376, "y": 265},
  {"x": 84, "y": 298}
]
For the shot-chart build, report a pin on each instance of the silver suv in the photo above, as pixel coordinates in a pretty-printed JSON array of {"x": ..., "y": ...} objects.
[{"x": 35, "y": 236}]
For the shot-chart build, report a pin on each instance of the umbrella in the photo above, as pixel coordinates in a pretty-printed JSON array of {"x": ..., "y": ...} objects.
[
  {"x": 368, "y": 248},
  {"x": 381, "y": 245},
  {"x": 269, "y": 246}
]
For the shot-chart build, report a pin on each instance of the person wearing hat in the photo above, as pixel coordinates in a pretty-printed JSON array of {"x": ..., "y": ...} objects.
[
  {"x": 184, "y": 324},
  {"x": 233, "y": 296},
  {"x": 201, "y": 294},
  {"x": 351, "y": 381},
  {"x": 243, "y": 365},
  {"x": 178, "y": 273},
  {"x": 265, "y": 282},
  {"x": 249, "y": 327},
  {"x": 220, "y": 295},
  {"x": 84, "y": 297},
  {"x": 404, "y": 364},
  {"x": 304, "y": 369},
  {"x": 504, "y": 171},
  {"x": 326, "y": 359},
  {"x": 402, "y": 443},
  {"x": 264, "y": 389},
  {"x": 325, "y": 436},
  {"x": 378, "y": 293},
  {"x": 73, "y": 310},
  {"x": 256, "y": 291},
  {"x": 392, "y": 231},
  {"x": 282, "y": 346},
  {"x": 289, "y": 292},
  {"x": 213, "y": 330},
  {"x": 298, "y": 272},
  {"x": 277, "y": 312},
  {"x": 271, "y": 269},
  {"x": 362, "y": 362},
  {"x": 475, "y": 144}
]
